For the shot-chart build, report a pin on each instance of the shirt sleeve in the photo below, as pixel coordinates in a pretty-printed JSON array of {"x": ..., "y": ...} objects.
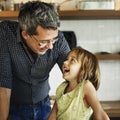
[{"x": 63, "y": 49}]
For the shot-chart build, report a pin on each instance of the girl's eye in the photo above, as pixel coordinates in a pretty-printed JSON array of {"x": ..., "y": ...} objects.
[
  {"x": 66, "y": 59},
  {"x": 72, "y": 60}
]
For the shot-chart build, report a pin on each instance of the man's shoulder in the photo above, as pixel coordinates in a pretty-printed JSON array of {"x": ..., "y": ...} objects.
[
  {"x": 8, "y": 28},
  {"x": 8, "y": 24}
]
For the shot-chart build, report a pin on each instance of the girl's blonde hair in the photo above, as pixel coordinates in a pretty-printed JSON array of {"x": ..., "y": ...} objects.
[{"x": 89, "y": 66}]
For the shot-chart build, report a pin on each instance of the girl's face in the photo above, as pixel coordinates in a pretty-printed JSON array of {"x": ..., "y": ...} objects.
[{"x": 71, "y": 67}]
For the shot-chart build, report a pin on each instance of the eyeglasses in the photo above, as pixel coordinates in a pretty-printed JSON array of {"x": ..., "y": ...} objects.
[{"x": 45, "y": 42}]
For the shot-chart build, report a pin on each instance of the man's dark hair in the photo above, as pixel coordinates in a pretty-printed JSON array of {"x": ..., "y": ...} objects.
[{"x": 35, "y": 13}]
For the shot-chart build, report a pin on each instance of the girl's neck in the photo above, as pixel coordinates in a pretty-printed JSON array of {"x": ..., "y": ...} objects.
[{"x": 71, "y": 86}]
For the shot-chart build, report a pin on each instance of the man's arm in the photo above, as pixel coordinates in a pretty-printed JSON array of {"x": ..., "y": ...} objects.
[
  {"x": 63, "y": 49},
  {"x": 5, "y": 94}
]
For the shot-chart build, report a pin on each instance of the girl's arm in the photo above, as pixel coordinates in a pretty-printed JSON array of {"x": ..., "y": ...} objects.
[
  {"x": 53, "y": 113},
  {"x": 91, "y": 99}
]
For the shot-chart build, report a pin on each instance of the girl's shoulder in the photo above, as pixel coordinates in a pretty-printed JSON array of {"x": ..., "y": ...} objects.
[
  {"x": 62, "y": 86},
  {"x": 88, "y": 88},
  {"x": 88, "y": 84},
  {"x": 84, "y": 83},
  {"x": 60, "y": 89}
]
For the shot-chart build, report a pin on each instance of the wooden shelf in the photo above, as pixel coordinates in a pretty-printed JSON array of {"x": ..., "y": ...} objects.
[
  {"x": 90, "y": 14},
  {"x": 112, "y": 108},
  {"x": 108, "y": 56},
  {"x": 8, "y": 15},
  {"x": 78, "y": 14}
]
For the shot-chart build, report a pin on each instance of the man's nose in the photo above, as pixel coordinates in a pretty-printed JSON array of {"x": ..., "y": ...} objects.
[{"x": 50, "y": 45}]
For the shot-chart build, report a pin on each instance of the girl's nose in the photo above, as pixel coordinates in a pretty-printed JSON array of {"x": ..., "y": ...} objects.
[{"x": 65, "y": 62}]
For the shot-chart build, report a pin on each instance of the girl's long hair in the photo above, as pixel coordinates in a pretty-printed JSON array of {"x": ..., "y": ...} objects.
[{"x": 89, "y": 66}]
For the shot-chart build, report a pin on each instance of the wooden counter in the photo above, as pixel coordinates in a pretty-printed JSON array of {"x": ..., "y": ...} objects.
[{"x": 112, "y": 108}]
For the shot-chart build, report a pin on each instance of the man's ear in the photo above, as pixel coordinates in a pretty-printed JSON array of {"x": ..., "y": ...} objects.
[{"x": 25, "y": 35}]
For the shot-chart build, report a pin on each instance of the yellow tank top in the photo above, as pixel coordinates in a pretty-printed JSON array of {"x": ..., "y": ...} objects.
[{"x": 71, "y": 105}]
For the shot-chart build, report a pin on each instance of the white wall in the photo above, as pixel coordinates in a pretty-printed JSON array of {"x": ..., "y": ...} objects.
[{"x": 96, "y": 36}]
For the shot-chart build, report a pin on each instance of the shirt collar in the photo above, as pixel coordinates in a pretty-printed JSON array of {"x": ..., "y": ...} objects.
[{"x": 19, "y": 37}]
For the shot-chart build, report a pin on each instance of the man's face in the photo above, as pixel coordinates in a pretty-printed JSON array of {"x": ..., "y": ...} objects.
[{"x": 43, "y": 41}]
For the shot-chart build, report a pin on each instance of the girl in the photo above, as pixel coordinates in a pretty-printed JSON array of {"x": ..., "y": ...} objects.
[{"x": 76, "y": 97}]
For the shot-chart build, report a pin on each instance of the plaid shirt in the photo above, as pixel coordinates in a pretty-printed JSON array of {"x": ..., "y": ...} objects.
[{"x": 28, "y": 78}]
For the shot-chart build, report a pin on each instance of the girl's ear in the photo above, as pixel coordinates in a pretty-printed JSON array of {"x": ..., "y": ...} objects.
[{"x": 25, "y": 35}]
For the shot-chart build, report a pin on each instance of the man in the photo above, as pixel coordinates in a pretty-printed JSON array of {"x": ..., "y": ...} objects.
[{"x": 29, "y": 49}]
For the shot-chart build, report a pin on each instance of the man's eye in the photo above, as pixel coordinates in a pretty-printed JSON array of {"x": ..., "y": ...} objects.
[{"x": 43, "y": 42}]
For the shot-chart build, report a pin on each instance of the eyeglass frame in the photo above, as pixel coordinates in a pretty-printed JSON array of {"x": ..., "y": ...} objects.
[{"x": 45, "y": 42}]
